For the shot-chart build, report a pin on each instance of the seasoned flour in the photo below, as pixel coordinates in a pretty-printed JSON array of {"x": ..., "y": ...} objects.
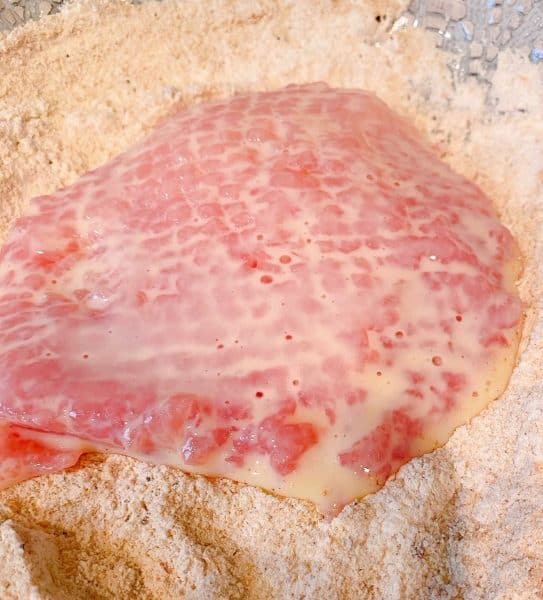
[{"x": 75, "y": 90}]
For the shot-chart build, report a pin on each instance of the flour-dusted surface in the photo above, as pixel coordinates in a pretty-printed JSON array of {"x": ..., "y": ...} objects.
[{"x": 464, "y": 521}]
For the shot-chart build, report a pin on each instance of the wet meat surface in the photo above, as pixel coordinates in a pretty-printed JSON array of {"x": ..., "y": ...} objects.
[{"x": 287, "y": 288}]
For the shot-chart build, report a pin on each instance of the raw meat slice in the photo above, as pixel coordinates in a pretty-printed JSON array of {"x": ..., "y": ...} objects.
[
  {"x": 288, "y": 289},
  {"x": 25, "y": 453}
]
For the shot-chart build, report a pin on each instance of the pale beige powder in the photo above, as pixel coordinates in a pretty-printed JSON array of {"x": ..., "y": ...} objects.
[{"x": 463, "y": 522}]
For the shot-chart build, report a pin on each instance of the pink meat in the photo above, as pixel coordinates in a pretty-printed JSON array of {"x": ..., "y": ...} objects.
[
  {"x": 284, "y": 288},
  {"x": 25, "y": 453}
]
